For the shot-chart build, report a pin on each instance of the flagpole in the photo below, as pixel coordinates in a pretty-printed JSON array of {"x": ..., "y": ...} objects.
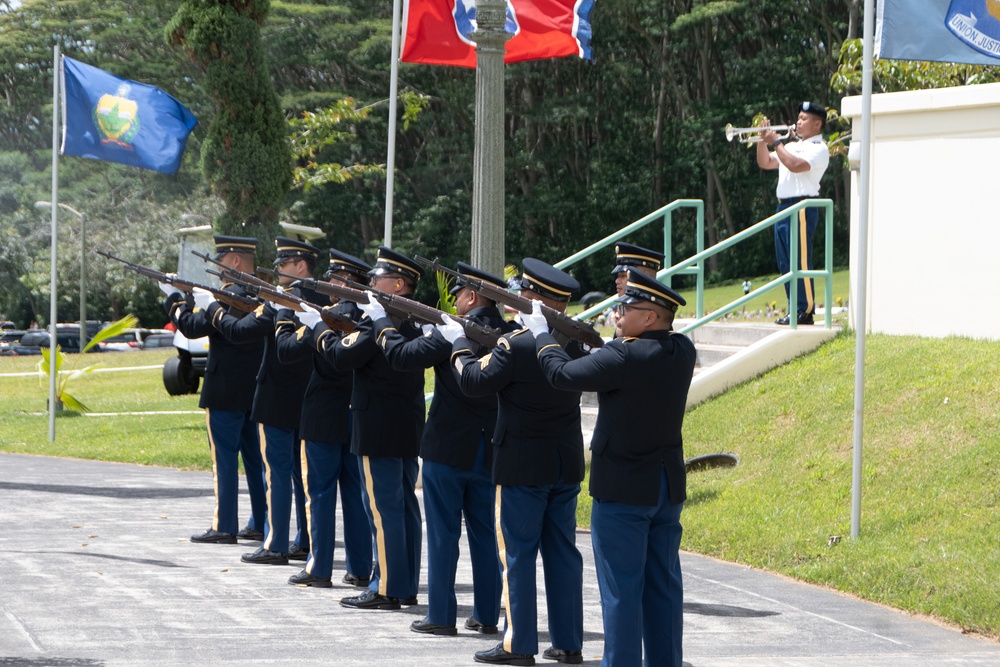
[
  {"x": 390, "y": 160},
  {"x": 861, "y": 293},
  {"x": 53, "y": 366}
]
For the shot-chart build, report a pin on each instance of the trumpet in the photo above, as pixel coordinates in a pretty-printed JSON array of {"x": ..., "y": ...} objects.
[{"x": 751, "y": 135}]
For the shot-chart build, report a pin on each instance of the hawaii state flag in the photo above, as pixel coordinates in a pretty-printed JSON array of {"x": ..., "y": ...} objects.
[
  {"x": 117, "y": 120},
  {"x": 437, "y": 32}
]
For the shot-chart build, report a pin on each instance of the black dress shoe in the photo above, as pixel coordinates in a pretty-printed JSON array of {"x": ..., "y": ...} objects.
[
  {"x": 357, "y": 582},
  {"x": 426, "y": 627},
  {"x": 498, "y": 656},
  {"x": 214, "y": 537},
  {"x": 266, "y": 557},
  {"x": 783, "y": 321},
  {"x": 476, "y": 626},
  {"x": 303, "y": 578},
  {"x": 295, "y": 552},
  {"x": 370, "y": 600},
  {"x": 805, "y": 318},
  {"x": 249, "y": 533},
  {"x": 559, "y": 655},
  {"x": 408, "y": 602}
]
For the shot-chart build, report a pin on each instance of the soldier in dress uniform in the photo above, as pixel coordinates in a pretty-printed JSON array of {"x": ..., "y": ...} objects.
[
  {"x": 457, "y": 453},
  {"x": 277, "y": 403},
  {"x": 628, "y": 256},
  {"x": 637, "y": 476},
  {"x": 227, "y": 396},
  {"x": 537, "y": 467},
  {"x": 325, "y": 435},
  {"x": 388, "y": 419}
]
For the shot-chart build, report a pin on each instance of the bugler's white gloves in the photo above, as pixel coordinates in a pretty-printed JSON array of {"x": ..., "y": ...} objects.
[
  {"x": 373, "y": 308},
  {"x": 451, "y": 329},
  {"x": 308, "y": 316},
  {"x": 535, "y": 320},
  {"x": 202, "y": 298}
]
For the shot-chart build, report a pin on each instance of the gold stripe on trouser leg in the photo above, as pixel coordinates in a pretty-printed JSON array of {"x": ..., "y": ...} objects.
[
  {"x": 267, "y": 480},
  {"x": 215, "y": 469},
  {"x": 383, "y": 571},
  {"x": 804, "y": 260},
  {"x": 309, "y": 501},
  {"x": 508, "y": 635}
]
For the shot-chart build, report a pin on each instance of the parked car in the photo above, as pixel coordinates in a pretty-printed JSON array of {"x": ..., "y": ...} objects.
[
  {"x": 131, "y": 340},
  {"x": 8, "y": 337},
  {"x": 32, "y": 342},
  {"x": 157, "y": 340}
]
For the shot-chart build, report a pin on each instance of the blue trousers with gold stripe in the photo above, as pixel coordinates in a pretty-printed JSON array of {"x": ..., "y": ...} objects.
[
  {"x": 232, "y": 433},
  {"x": 278, "y": 447},
  {"x": 532, "y": 519},
  {"x": 326, "y": 464},
  {"x": 394, "y": 517},
  {"x": 806, "y": 220},
  {"x": 448, "y": 493},
  {"x": 299, "y": 492},
  {"x": 636, "y": 549}
]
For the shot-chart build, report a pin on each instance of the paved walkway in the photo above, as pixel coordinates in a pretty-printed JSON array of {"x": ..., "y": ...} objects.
[{"x": 97, "y": 570}]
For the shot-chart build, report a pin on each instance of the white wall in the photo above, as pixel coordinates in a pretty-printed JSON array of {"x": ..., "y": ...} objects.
[{"x": 934, "y": 214}]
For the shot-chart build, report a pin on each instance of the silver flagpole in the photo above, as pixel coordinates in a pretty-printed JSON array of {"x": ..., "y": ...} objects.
[
  {"x": 390, "y": 160},
  {"x": 53, "y": 372},
  {"x": 861, "y": 294}
]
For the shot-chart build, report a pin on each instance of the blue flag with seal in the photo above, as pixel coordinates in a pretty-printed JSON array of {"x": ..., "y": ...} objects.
[
  {"x": 957, "y": 31},
  {"x": 117, "y": 120}
]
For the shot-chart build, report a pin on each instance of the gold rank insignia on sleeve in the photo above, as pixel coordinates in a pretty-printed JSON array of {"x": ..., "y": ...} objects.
[
  {"x": 259, "y": 311},
  {"x": 300, "y": 333},
  {"x": 351, "y": 339},
  {"x": 485, "y": 361}
]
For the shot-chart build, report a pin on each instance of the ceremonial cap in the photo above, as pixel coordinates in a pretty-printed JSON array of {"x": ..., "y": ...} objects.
[
  {"x": 641, "y": 287},
  {"x": 547, "y": 280},
  {"x": 469, "y": 271},
  {"x": 815, "y": 109},
  {"x": 227, "y": 244},
  {"x": 289, "y": 248},
  {"x": 627, "y": 255},
  {"x": 390, "y": 261},
  {"x": 341, "y": 261}
]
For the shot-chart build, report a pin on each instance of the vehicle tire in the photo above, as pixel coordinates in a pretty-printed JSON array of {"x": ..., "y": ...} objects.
[{"x": 179, "y": 377}]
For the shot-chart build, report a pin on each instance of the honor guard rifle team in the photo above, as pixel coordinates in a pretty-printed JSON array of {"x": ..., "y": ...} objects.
[{"x": 318, "y": 392}]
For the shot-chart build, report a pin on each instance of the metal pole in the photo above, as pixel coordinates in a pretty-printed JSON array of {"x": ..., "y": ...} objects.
[
  {"x": 487, "y": 250},
  {"x": 861, "y": 294},
  {"x": 390, "y": 160},
  {"x": 83, "y": 282},
  {"x": 53, "y": 371}
]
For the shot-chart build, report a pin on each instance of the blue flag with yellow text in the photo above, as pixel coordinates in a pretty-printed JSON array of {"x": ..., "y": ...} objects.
[
  {"x": 117, "y": 120},
  {"x": 956, "y": 31}
]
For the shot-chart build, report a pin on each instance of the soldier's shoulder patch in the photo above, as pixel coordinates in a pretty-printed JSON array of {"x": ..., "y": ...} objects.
[
  {"x": 503, "y": 342},
  {"x": 300, "y": 333},
  {"x": 259, "y": 311},
  {"x": 350, "y": 339}
]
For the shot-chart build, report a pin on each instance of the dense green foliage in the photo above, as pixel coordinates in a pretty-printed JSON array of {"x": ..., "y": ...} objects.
[{"x": 591, "y": 146}]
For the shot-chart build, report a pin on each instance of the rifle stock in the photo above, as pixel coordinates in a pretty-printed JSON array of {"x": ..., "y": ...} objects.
[
  {"x": 237, "y": 301},
  {"x": 560, "y": 322},
  {"x": 410, "y": 309}
]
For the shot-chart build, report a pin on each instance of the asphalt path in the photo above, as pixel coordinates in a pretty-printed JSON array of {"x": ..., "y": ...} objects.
[{"x": 97, "y": 569}]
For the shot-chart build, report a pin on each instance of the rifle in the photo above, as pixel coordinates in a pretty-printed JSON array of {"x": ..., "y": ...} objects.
[
  {"x": 561, "y": 323},
  {"x": 242, "y": 303},
  {"x": 407, "y": 309},
  {"x": 267, "y": 292}
]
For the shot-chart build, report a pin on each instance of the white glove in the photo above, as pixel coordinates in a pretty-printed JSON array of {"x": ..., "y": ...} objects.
[
  {"x": 167, "y": 288},
  {"x": 308, "y": 316},
  {"x": 534, "y": 320},
  {"x": 451, "y": 329},
  {"x": 202, "y": 298},
  {"x": 426, "y": 329},
  {"x": 373, "y": 308}
]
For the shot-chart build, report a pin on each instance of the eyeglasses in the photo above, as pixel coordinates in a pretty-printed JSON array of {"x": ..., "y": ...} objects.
[
  {"x": 288, "y": 261},
  {"x": 625, "y": 307}
]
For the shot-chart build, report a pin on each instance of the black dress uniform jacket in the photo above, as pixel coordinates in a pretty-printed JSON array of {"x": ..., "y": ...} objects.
[
  {"x": 325, "y": 415},
  {"x": 537, "y": 439},
  {"x": 455, "y": 421},
  {"x": 280, "y": 387},
  {"x": 230, "y": 368},
  {"x": 642, "y": 386},
  {"x": 388, "y": 406}
]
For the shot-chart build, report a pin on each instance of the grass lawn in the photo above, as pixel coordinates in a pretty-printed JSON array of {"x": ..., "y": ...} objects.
[{"x": 931, "y": 472}]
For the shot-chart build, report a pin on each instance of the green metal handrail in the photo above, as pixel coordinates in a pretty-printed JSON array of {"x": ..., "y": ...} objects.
[{"x": 666, "y": 213}]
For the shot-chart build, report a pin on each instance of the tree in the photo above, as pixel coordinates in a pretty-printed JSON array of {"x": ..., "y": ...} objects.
[{"x": 245, "y": 157}]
